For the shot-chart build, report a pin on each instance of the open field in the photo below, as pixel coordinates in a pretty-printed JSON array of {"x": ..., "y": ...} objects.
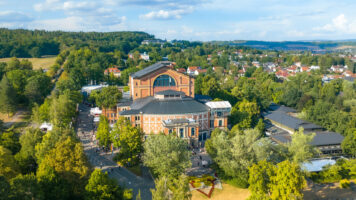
[
  {"x": 227, "y": 193},
  {"x": 37, "y": 63}
]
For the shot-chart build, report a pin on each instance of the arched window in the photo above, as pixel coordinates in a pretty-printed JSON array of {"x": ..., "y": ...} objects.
[{"x": 164, "y": 81}]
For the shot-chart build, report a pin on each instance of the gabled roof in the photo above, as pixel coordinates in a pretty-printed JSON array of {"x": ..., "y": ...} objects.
[{"x": 151, "y": 69}]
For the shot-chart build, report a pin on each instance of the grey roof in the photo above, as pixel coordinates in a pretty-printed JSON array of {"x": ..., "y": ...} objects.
[
  {"x": 150, "y": 69},
  {"x": 124, "y": 103},
  {"x": 320, "y": 138},
  {"x": 327, "y": 138},
  {"x": 289, "y": 121},
  {"x": 170, "y": 92},
  {"x": 282, "y": 108},
  {"x": 129, "y": 112},
  {"x": 150, "y": 105}
]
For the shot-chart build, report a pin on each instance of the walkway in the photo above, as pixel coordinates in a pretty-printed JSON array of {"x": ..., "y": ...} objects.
[{"x": 103, "y": 161}]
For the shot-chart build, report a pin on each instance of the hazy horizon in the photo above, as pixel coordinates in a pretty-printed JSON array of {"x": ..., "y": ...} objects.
[{"x": 194, "y": 20}]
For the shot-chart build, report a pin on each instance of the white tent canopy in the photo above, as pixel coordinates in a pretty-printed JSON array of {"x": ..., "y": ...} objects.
[
  {"x": 218, "y": 104},
  {"x": 46, "y": 126},
  {"x": 96, "y": 119},
  {"x": 95, "y": 111}
]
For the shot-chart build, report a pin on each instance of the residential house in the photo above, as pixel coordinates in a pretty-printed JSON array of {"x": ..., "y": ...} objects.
[{"x": 112, "y": 70}]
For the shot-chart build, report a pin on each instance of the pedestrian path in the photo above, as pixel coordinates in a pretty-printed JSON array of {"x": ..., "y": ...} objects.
[{"x": 103, "y": 161}]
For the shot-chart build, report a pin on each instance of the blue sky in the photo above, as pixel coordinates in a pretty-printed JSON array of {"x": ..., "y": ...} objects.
[{"x": 204, "y": 20}]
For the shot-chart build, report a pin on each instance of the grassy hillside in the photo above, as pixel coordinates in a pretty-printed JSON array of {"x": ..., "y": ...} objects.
[{"x": 37, "y": 63}]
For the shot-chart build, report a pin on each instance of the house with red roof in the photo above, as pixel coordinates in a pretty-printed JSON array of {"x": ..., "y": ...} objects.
[{"x": 114, "y": 70}]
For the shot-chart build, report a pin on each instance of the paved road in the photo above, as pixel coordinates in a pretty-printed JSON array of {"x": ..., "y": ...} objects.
[{"x": 103, "y": 161}]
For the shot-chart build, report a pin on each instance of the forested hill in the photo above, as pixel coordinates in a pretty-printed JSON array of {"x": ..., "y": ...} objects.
[
  {"x": 37, "y": 43},
  {"x": 315, "y": 46}
]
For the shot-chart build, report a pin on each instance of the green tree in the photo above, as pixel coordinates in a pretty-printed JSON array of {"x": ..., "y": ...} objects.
[
  {"x": 53, "y": 185},
  {"x": 180, "y": 188},
  {"x": 101, "y": 187},
  {"x": 288, "y": 182},
  {"x": 349, "y": 144},
  {"x": 10, "y": 140},
  {"x": 108, "y": 97},
  {"x": 5, "y": 189},
  {"x": 300, "y": 148},
  {"x": 103, "y": 133},
  {"x": 37, "y": 88},
  {"x": 8, "y": 166},
  {"x": 129, "y": 140},
  {"x": 26, "y": 157},
  {"x": 7, "y": 97},
  {"x": 62, "y": 110},
  {"x": 260, "y": 180},
  {"x": 69, "y": 161},
  {"x": 161, "y": 189},
  {"x": 166, "y": 155},
  {"x": 26, "y": 187}
]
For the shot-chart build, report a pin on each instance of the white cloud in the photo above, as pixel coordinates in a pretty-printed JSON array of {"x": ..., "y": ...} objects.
[
  {"x": 166, "y": 14},
  {"x": 14, "y": 16},
  {"x": 340, "y": 24}
]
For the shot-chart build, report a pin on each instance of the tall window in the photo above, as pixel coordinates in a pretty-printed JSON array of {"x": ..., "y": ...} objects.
[
  {"x": 220, "y": 122},
  {"x": 192, "y": 132},
  {"x": 164, "y": 81},
  {"x": 181, "y": 132}
]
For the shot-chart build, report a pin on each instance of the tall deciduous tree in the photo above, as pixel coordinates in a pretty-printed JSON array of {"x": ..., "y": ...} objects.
[
  {"x": 166, "y": 155},
  {"x": 26, "y": 157},
  {"x": 288, "y": 182},
  {"x": 69, "y": 161},
  {"x": 129, "y": 140},
  {"x": 8, "y": 166},
  {"x": 101, "y": 187},
  {"x": 300, "y": 148},
  {"x": 108, "y": 97},
  {"x": 62, "y": 110},
  {"x": 349, "y": 144},
  {"x": 26, "y": 187},
  {"x": 7, "y": 96},
  {"x": 103, "y": 133}
]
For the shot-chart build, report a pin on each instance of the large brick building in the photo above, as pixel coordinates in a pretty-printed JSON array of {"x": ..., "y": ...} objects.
[{"x": 162, "y": 100}]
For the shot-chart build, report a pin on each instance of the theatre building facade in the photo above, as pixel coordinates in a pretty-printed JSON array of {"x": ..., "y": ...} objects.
[{"x": 162, "y": 100}]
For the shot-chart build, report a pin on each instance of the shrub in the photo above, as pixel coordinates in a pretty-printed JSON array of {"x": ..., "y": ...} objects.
[{"x": 344, "y": 183}]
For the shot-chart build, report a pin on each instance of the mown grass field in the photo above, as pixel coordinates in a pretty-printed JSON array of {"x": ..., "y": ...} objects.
[
  {"x": 227, "y": 193},
  {"x": 37, "y": 63}
]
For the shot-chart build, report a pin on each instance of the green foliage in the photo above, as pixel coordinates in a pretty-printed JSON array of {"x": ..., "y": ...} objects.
[
  {"x": 62, "y": 110},
  {"x": 171, "y": 189},
  {"x": 260, "y": 179},
  {"x": 343, "y": 169},
  {"x": 8, "y": 166},
  {"x": 26, "y": 158},
  {"x": 300, "y": 148},
  {"x": 349, "y": 144},
  {"x": 108, "y": 97},
  {"x": 37, "y": 88},
  {"x": 67, "y": 159},
  {"x": 5, "y": 189},
  {"x": 7, "y": 96},
  {"x": 26, "y": 187},
  {"x": 234, "y": 153},
  {"x": 166, "y": 155},
  {"x": 288, "y": 182},
  {"x": 10, "y": 140},
  {"x": 103, "y": 132},
  {"x": 129, "y": 140},
  {"x": 101, "y": 187},
  {"x": 344, "y": 183}
]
